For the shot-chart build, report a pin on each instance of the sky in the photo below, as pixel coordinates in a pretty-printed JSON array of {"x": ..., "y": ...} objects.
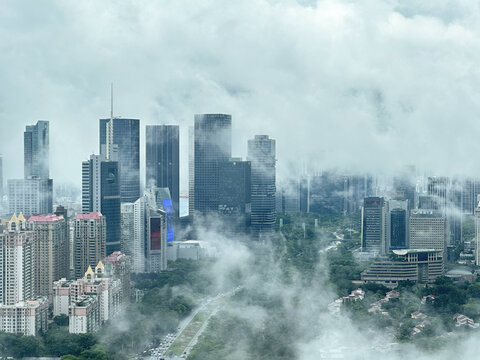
[{"x": 366, "y": 86}]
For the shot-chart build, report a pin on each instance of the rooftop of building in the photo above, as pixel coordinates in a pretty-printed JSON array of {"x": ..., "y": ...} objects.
[
  {"x": 413, "y": 251},
  {"x": 89, "y": 216},
  {"x": 114, "y": 257},
  {"x": 45, "y": 218}
]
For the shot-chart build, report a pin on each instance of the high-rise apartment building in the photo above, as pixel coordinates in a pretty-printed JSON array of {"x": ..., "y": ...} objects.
[
  {"x": 261, "y": 154},
  {"x": 89, "y": 241},
  {"x": 52, "y": 250},
  {"x": 36, "y": 150},
  {"x": 125, "y": 137},
  {"x": 428, "y": 230},
  {"x": 30, "y": 196},
  {"x": 17, "y": 263},
  {"x": 162, "y": 160},
  {"x": 213, "y": 144},
  {"x": 101, "y": 193},
  {"x": 374, "y": 230}
]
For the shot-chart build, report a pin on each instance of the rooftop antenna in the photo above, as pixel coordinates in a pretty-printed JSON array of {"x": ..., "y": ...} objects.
[{"x": 109, "y": 128}]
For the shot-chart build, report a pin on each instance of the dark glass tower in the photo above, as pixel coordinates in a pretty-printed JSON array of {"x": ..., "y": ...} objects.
[
  {"x": 126, "y": 139},
  {"x": 261, "y": 154},
  {"x": 110, "y": 203},
  {"x": 162, "y": 160},
  {"x": 374, "y": 225},
  {"x": 101, "y": 193},
  {"x": 398, "y": 229},
  {"x": 36, "y": 150},
  {"x": 213, "y": 144},
  {"x": 234, "y": 193}
]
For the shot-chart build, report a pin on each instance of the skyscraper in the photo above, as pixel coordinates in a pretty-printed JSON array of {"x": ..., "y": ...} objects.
[
  {"x": 162, "y": 160},
  {"x": 51, "y": 249},
  {"x": 398, "y": 224},
  {"x": 125, "y": 137},
  {"x": 261, "y": 154},
  {"x": 213, "y": 144},
  {"x": 477, "y": 235},
  {"x": 191, "y": 170},
  {"x": 36, "y": 150},
  {"x": 1, "y": 180},
  {"x": 18, "y": 263},
  {"x": 428, "y": 230},
  {"x": 101, "y": 193},
  {"x": 438, "y": 188},
  {"x": 89, "y": 241},
  {"x": 234, "y": 193},
  {"x": 374, "y": 230},
  {"x": 30, "y": 196}
]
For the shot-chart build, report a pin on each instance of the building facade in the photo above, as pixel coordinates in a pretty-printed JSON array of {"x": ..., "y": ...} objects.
[
  {"x": 163, "y": 160},
  {"x": 374, "y": 228},
  {"x": 261, "y": 154},
  {"x": 213, "y": 144},
  {"x": 89, "y": 241},
  {"x": 101, "y": 193},
  {"x": 30, "y": 196},
  {"x": 419, "y": 265},
  {"x": 36, "y": 150},
  {"x": 52, "y": 251},
  {"x": 428, "y": 230},
  {"x": 126, "y": 139}
]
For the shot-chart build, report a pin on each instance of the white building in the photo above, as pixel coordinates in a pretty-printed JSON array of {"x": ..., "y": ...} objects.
[
  {"x": 189, "y": 249},
  {"x": 428, "y": 230},
  {"x": 84, "y": 315},
  {"x": 18, "y": 263},
  {"x": 30, "y": 196},
  {"x": 25, "y": 317}
]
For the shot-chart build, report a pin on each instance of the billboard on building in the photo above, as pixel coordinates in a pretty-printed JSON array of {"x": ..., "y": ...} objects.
[
  {"x": 155, "y": 233},
  {"x": 168, "y": 207}
]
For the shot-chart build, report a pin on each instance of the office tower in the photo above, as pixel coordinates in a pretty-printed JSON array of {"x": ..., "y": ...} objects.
[
  {"x": 162, "y": 160},
  {"x": 30, "y": 196},
  {"x": 36, "y": 150},
  {"x": 454, "y": 213},
  {"x": 404, "y": 189},
  {"x": 89, "y": 241},
  {"x": 124, "y": 135},
  {"x": 374, "y": 230},
  {"x": 52, "y": 250},
  {"x": 427, "y": 202},
  {"x": 477, "y": 235},
  {"x": 191, "y": 170},
  {"x": 101, "y": 193},
  {"x": 470, "y": 191},
  {"x": 1, "y": 180},
  {"x": 17, "y": 263},
  {"x": 398, "y": 218},
  {"x": 234, "y": 193},
  {"x": 304, "y": 194},
  {"x": 213, "y": 144},
  {"x": 261, "y": 154},
  {"x": 438, "y": 188},
  {"x": 428, "y": 230}
]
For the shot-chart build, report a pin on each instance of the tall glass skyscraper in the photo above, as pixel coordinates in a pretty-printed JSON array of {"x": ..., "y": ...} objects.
[
  {"x": 261, "y": 153},
  {"x": 36, "y": 150},
  {"x": 162, "y": 160},
  {"x": 101, "y": 193},
  {"x": 126, "y": 140},
  {"x": 213, "y": 144}
]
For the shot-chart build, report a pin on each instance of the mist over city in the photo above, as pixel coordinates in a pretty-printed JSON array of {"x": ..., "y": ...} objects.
[{"x": 263, "y": 179}]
